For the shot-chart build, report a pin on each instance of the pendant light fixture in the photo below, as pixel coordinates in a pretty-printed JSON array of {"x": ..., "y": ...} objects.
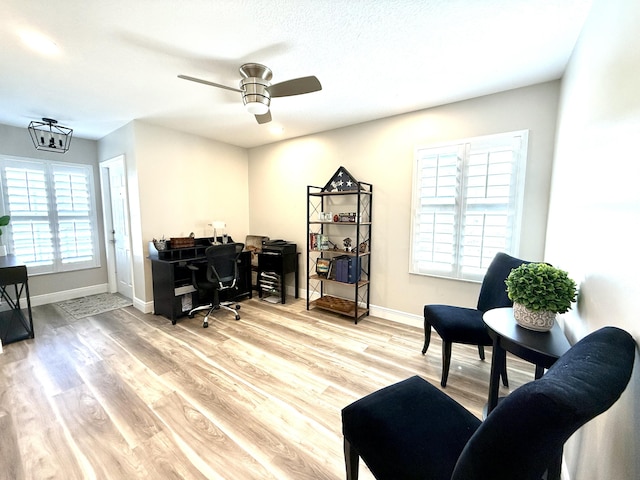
[{"x": 49, "y": 136}]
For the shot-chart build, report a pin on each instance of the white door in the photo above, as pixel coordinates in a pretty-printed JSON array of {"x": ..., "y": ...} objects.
[{"x": 117, "y": 226}]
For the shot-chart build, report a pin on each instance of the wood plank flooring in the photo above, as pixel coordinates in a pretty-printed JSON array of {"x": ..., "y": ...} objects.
[{"x": 125, "y": 395}]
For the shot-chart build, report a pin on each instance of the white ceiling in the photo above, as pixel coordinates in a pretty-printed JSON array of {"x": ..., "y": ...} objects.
[{"x": 118, "y": 60}]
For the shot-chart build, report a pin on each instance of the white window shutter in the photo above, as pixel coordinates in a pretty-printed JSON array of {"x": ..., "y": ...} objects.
[
  {"x": 467, "y": 199},
  {"x": 53, "y": 218}
]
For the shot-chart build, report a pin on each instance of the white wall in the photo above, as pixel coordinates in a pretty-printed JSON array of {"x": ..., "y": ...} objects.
[
  {"x": 595, "y": 215},
  {"x": 177, "y": 184},
  {"x": 381, "y": 153}
]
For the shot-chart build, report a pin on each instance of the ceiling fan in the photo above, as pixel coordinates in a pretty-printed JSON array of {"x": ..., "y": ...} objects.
[{"x": 257, "y": 91}]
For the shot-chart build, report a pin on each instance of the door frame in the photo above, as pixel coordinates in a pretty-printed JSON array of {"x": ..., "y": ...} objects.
[{"x": 108, "y": 224}]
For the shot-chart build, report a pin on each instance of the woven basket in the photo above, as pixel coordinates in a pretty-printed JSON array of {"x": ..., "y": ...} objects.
[{"x": 182, "y": 242}]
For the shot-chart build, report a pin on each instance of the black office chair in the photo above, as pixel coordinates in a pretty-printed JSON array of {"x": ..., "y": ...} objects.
[
  {"x": 413, "y": 430},
  {"x": 465, "y": 325},
  {"x": 221, "y": 277}
]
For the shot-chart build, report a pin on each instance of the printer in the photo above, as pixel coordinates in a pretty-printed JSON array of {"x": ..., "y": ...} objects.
[{"x": 278, "y": 247}]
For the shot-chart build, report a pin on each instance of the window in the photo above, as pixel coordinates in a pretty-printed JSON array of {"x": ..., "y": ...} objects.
[
  {"x": 53, "y": 219},
  {"x": 467, "y": 202}
]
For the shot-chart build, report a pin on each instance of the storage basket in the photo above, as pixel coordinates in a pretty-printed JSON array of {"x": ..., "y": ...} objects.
[{"x": 182, "y": 242}]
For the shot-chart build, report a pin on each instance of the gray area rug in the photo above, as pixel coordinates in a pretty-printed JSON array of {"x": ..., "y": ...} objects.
[{"x": 94, "y": 304}]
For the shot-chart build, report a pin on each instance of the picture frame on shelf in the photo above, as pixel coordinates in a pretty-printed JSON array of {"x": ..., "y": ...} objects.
[{"x": 322, "y": 267}]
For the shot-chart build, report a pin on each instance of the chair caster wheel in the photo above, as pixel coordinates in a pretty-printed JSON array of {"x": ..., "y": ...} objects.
[
  {"x": 237, "y": 307},
  {"x": 205, "y": 324},
  {"x": 237, "y": 317},
  {"x": 191, "y": 315}
]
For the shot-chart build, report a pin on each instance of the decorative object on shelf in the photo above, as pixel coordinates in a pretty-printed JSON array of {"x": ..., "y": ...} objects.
[
  {"x": 347, "y": 217},
  {"x": 539, "y": 291},
  {"x": 322, "y": 266},
  {"x": 342, "y": 181},
  {"x": 4, "y": 221},
  {"x": 182, "y": 242},
  {"x": 49, "y": 136},
  {"x": 160, "y": 244},
  {"x": 363, "y": 247},
  {"x": 347, "y": 244}
]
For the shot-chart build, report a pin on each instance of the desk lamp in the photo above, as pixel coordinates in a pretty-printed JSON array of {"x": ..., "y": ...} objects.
[{"x": 218, "y": 225}]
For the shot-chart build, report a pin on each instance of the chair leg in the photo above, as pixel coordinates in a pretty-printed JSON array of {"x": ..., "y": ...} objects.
[
  {"x": 446, "y": 362},
  {"x": 481, "y": 351},
  {"x": 351, "y": 461},
  {"x": 427, "y": 337}
]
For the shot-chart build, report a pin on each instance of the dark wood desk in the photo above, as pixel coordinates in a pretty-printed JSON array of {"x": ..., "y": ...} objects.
[
  {"x": 173, "y": 291},
  {"x": 540, "y": 348},
  {"x": 14, "y": 325}
]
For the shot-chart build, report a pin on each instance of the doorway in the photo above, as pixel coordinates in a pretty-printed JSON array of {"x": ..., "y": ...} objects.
[{"x": 115, "y": 206}]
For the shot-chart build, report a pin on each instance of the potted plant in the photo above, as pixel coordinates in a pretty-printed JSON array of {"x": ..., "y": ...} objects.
[
  {"x": 539, "y": 291},
  {"x": 4, "y": 221}
]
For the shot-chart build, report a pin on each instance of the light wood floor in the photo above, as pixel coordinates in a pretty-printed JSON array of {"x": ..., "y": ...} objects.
[{"x": 125, "y": 395}]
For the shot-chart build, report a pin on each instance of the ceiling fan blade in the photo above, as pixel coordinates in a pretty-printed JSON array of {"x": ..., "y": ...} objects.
[
  {"x": 266, "y": 118},
  {"x": 206, "y": 82},
  {"x": 296, "y": 86}
]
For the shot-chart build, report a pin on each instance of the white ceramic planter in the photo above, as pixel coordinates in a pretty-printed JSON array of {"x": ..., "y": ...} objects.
[{"x": 539, "y": 321}]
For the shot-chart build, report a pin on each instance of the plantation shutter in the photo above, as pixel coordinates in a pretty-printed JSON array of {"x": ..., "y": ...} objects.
[
  {"x": 53, "y": 219},
  {"x": 73, "y": 205},
  {"x": 26, "y": 190},
  {"x": 467, "y": 201}
]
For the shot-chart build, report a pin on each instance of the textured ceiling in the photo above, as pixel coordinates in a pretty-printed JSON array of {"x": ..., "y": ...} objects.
[{"x": 118, "y": 60}]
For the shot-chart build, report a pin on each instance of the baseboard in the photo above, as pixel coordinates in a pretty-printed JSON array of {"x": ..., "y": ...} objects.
[
  {"x": 396, "y": 316},
  {"x": 68, "y": 294},
  {"x": 144, "y": 307}
]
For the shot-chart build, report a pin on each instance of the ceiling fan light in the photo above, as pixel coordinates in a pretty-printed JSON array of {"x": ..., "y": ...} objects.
[{"x": 256, "y": 108}]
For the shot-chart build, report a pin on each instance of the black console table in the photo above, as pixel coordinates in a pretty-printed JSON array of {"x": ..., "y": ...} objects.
[
  {"x": 173, "y": 292},
  {"x": 14, "y": 325},
  {"x": 274, "y": 262}
]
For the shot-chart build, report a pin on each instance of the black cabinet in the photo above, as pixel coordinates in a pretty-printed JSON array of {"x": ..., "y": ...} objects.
[
  {"x": 173, "y": 292},
  {"x": 273, "y": 267}
]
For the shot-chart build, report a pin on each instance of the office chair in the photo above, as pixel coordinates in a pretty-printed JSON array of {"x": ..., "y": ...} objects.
[
  {"x": 221, "y": 278},
  {"x": 465, "y": 325},
  {"x": 413, "y": 430}
]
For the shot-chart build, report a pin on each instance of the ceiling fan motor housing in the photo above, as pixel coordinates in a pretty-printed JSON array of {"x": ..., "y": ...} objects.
[{"x": 254, "y": 86}]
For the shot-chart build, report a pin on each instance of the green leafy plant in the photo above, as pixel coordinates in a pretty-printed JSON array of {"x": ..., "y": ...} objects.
[
  {"x": 540, "y": 286},
  {"x": 4, "y": 221}
]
